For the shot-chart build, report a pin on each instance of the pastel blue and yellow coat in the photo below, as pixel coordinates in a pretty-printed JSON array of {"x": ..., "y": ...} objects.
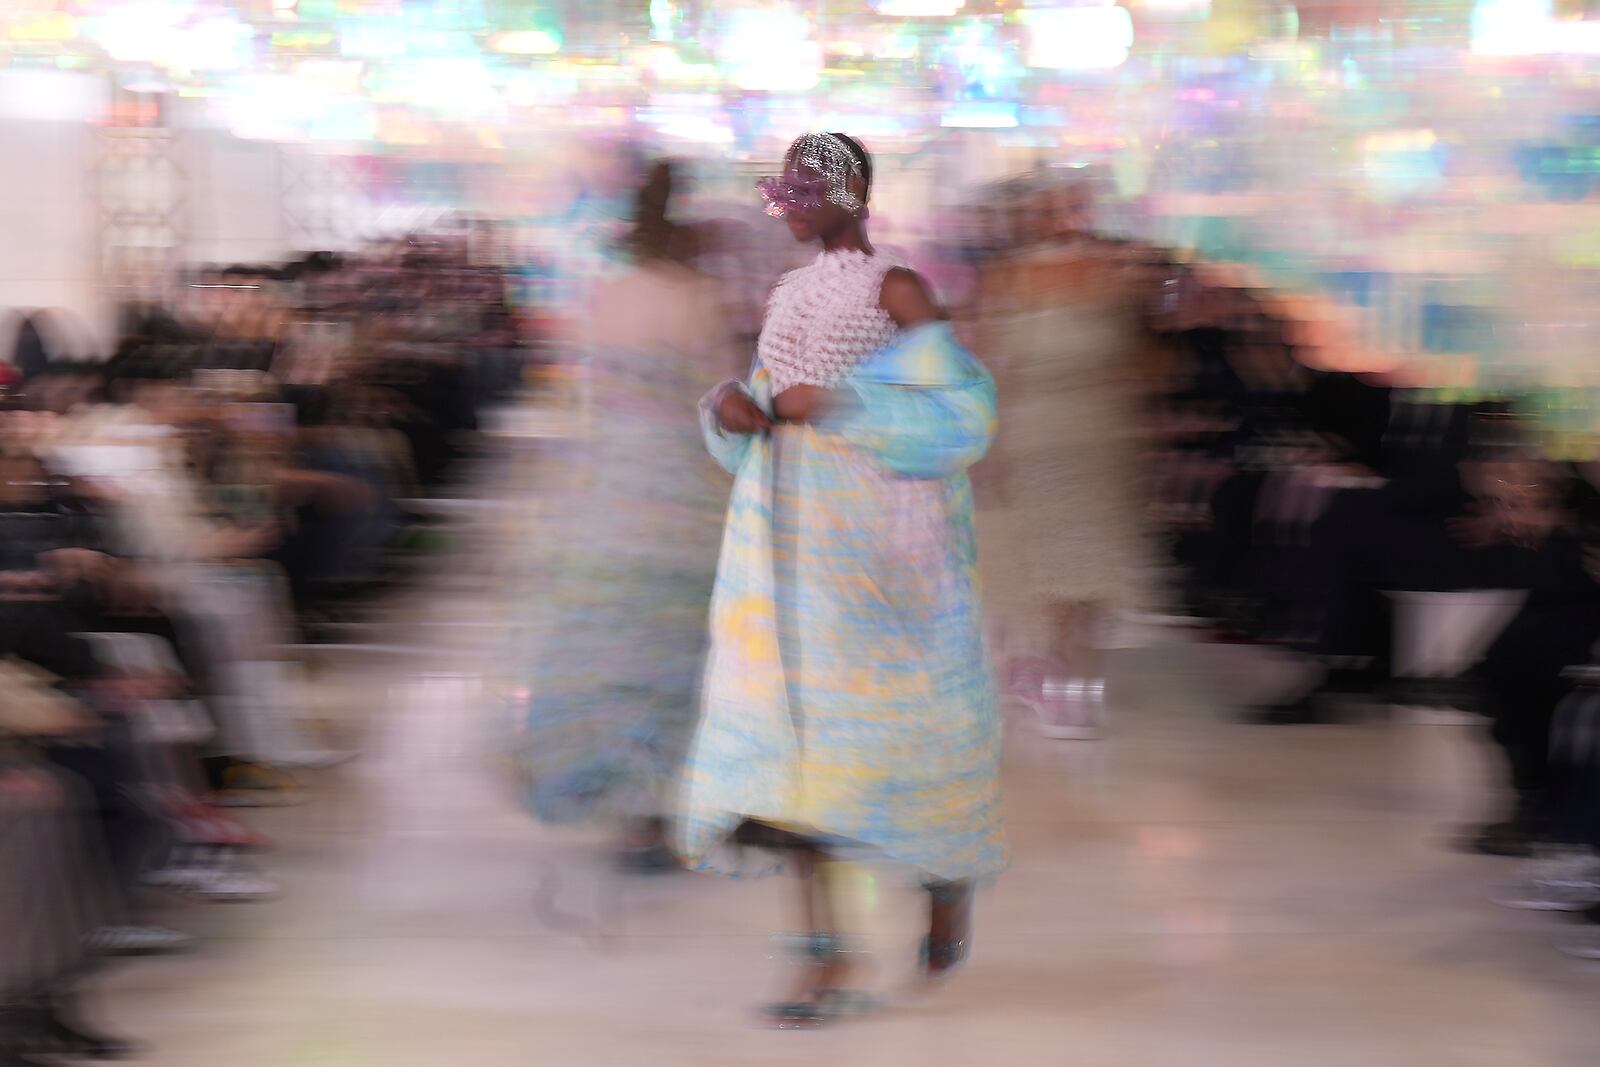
[{"x": 847, "y": 693}]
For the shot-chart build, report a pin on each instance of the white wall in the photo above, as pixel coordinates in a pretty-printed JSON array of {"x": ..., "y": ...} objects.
[
  {"x": 49, "y": 231},
  {"x": 50, "y": 213},
  {"x": 232, "y": 195}
]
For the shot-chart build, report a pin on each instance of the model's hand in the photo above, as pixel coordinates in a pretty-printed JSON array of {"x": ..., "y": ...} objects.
[
  {"x": 800, "y": 403},
  {"x": 739, "y": 414}
]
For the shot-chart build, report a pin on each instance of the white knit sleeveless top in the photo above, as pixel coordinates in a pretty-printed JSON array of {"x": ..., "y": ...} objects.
[{"x": 823, "y": 320}]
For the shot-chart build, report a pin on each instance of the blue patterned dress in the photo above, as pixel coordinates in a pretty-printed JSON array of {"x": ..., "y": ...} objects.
[{"x": 613, "y": 628}]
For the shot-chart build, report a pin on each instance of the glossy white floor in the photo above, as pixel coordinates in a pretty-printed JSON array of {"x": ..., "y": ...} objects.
[{"x": 1188, "y": 892}]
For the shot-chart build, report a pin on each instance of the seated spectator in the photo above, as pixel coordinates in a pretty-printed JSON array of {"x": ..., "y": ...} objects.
[
  {"x": 1546, "y": 514},
  {"x": 134, "y": 460},
  {"x": 51, "y": 901},
  {"x": 1397, "y": 527}
]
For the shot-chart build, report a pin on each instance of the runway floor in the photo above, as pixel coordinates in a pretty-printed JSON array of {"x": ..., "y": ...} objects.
[{"x": 1187, "y": 893}]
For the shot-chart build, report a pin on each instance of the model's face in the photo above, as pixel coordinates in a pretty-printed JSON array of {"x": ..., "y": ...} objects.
[
  {"x": 801, "y": 197},
  {"x": 817, "y": 215}
]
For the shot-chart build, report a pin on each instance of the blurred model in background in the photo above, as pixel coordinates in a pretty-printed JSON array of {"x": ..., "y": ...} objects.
[
  {"x": 628, "y": 546},
  {"x": 1059, "y": 324},
  {"x": 847, "y": 703}
]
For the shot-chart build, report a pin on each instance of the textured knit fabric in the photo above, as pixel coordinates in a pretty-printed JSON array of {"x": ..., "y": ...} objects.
[
  {"x": 825, "y": 318},
  {"x": 846, "y": 694}
]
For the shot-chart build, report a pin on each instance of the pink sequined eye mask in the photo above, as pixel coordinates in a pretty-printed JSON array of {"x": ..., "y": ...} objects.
[
  {"x": 820, "y": 171},
  {"x": 795, "y": 191}
]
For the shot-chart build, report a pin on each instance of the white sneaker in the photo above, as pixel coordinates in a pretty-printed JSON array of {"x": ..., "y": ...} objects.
[
  {"x": 219, "y": 884},
  {"x": 139, "y": 940},
  {"x": 1566, "y": 881},
  {"x": 1549, "y": 895},
  {"x": 1071, "y": 709},
  {"x": 235, "y": 887}
]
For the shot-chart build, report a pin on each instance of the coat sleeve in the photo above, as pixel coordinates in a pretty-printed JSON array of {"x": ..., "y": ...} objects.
[
  {"x": 922, "y": 426},
  {"x": 728, "y": 449}
]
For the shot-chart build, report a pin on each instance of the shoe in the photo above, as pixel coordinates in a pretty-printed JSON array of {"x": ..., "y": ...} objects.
[
  {"x": 235, "y": 887},
  {"x": 1066, "y": 709},
  {"x": 59, "y": 1034},
  {"x": 1552, "y": 896},
  {"x": 139, "y": 941},
  {"x": 1071, "y": 709},
  {"x": 939, "y": 958},
  {"x": 826, "y": 1005},
  {"x": 217, "y": 883},
  {"x": 1560, "y": 883}
]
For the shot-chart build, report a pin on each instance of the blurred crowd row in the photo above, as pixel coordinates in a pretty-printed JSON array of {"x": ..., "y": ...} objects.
[
  {"x": 248, "y": 469},
  {"x": 1410, "y": 547}
]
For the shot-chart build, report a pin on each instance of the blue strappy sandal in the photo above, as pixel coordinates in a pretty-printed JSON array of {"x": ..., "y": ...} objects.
[{"x": 827, "y": 1005}]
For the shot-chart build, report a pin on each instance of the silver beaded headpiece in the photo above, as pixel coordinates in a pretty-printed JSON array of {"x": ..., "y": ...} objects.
[
  {"x": 828, "y": 155},
  {"x": 835, "y": 164}
]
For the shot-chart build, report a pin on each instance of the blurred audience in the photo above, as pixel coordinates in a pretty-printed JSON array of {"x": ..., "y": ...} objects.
[
  {"x": 1298, "y": 501},
  {"x": 174, "y": 522}
]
